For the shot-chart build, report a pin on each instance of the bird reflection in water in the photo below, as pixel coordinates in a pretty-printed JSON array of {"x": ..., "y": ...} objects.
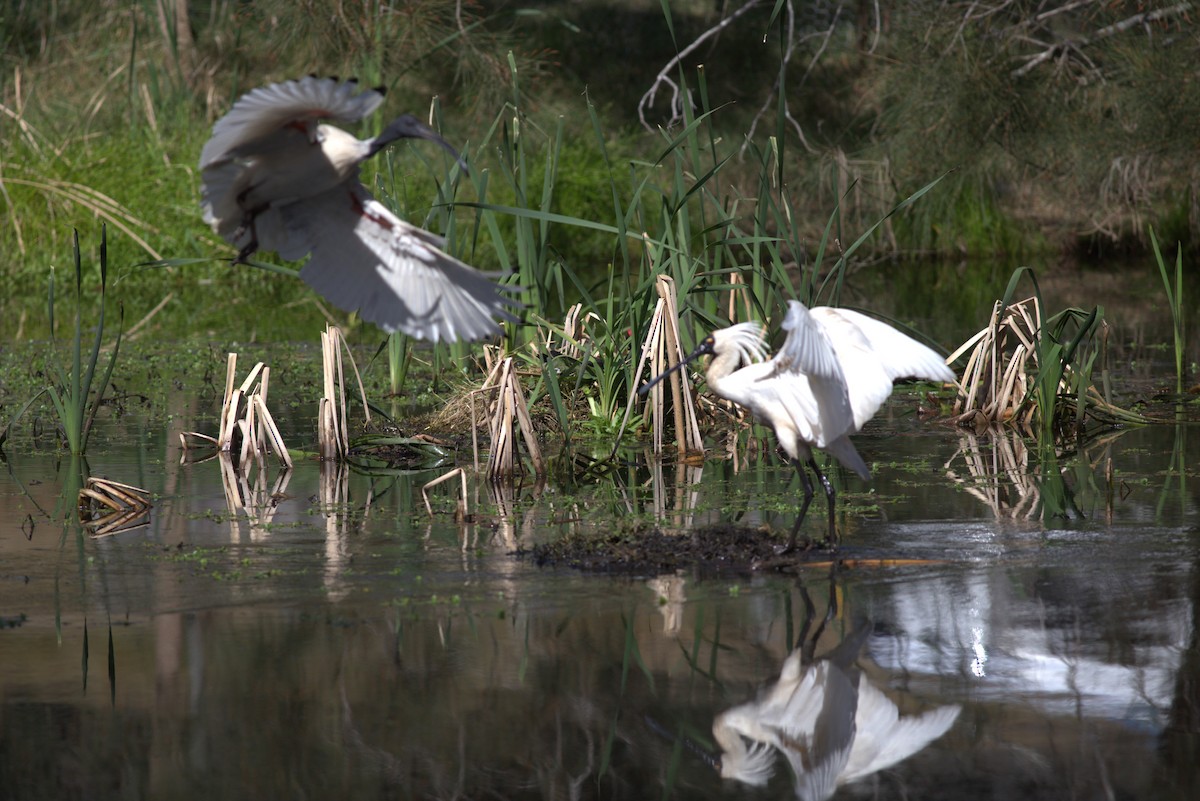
[{"x": 831, "y": 724}]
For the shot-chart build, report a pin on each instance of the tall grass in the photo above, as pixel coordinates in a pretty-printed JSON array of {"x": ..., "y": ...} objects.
[
  {"x": 1174, "y": 302},
  {"x": 72, "y": 391}
]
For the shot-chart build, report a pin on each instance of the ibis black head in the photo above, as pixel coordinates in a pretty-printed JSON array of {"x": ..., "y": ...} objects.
[
  {"x": 407, "y": 126},
  {"x": 705, "y": 348}
]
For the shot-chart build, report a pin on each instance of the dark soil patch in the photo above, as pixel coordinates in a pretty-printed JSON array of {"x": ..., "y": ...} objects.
[{"x": 710, "y": 549}]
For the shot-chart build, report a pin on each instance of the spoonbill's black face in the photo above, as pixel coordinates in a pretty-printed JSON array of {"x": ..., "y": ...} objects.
[{"x": 705, "y": 348}]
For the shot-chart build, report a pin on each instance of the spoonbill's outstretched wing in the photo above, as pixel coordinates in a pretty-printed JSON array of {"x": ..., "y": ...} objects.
[{"x": 873, "y": 356}]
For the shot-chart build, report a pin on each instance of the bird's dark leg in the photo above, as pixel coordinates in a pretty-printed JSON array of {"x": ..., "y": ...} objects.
[
  {"x": 251, "y": 246},
  {"x": 249, "y": 217},
  {"x": 831, "y": 495},
  {"x": 810, "y": 612},
  {"x": 808, "y": 496}
]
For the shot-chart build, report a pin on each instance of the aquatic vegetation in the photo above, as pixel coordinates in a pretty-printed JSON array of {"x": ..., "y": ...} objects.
[
  {"x": 1174, "y": 302},
  {"x": 109, "y": 507},
  {"x": 246, "y": 427},
  {"x": 72, "y": 391},
  {"x": 1036, "y": 372}
]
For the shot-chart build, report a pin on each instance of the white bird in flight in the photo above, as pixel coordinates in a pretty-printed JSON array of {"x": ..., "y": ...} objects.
[
  {"x": 275, "y": 178},
  {"x": 832, "y": 374}
]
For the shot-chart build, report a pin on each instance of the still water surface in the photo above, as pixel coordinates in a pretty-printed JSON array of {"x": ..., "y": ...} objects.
[{"x": 330, "y": 639}]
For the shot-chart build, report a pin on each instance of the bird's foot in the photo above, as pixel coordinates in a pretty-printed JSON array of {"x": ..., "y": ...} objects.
[
  {"x": 244, "y": 254},
  {"x": 792, "y": 547}
]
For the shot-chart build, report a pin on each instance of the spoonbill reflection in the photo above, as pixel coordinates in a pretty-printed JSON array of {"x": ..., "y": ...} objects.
[
  {"x": 275, "y": 178},
  {"x": 834, "y": 371},
  {"x": 828, "y": 720}
]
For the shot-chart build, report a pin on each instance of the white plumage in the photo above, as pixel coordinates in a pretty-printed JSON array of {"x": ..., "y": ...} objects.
[
  {"x": 276, "y": 178},
  {"x": 828, "y": 720},
  {"x": 834, "y": 371},
  {"x": 831, "y": 724}
]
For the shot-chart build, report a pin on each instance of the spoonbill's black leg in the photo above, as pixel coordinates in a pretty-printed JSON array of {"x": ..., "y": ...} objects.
[
  {"x": 831, "y": 495},
  {"x": 808, "y": 496}
]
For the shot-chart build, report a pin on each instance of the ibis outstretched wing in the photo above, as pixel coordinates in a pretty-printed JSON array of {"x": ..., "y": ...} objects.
[
  {"x": 270, "y": 111},
  {"x": 394, "y": 274}
]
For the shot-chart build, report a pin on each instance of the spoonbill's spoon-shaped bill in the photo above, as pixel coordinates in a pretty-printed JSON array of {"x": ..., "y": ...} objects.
[
  {"x": 276, "y": 178},
  {"x": 834, "y": 371}
]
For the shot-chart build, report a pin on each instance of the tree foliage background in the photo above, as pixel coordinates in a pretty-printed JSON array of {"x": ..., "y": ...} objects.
[{"x": 1067, "y": 126}]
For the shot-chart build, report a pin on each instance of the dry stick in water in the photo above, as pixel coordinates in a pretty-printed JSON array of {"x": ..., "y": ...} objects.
[
  {"x": 257, "y": 427},
  {"x": 462, "y": 503},
  {"x": 333, "y": 419}
]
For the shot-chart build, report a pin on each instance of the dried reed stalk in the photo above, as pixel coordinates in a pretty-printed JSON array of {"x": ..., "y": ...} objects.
[
  {"x": 509, "y": 413},
  {"x": 460, "y": 511},
  {"x": 109, "y": 507},
  {"x": 662, "y": 349},
  {"x": 244, "y": 412},
  {"x": 996, "y": 378},
  {"x": 333, "y": 421}
]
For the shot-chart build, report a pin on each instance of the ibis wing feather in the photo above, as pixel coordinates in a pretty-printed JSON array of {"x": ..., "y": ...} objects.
[
  {"x": 221, "y": 210},
  {"x": 262, "y": 113},
  {"x": 365, "y": 258}
]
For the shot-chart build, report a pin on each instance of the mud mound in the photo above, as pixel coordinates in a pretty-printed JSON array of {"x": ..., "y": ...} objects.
[{"x": 711, "y": 549}]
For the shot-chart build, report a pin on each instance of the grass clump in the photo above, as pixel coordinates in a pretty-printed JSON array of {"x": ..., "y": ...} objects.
[{"x": 72, "y": 391}]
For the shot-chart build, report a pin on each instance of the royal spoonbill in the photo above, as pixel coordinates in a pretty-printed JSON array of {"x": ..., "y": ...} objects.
[
  {"x": 276, "y": 178},
  {"x": 834, "y": 371}
]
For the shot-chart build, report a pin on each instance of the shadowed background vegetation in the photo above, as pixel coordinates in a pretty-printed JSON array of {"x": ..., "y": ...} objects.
[{"x": 1066, "y": 128}]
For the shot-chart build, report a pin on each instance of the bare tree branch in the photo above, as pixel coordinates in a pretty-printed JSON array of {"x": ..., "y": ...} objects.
[
  {"x": 1077, "y": 45},
  {"x": 783, "y": 64},
  {"x": 662, "y": 77}
]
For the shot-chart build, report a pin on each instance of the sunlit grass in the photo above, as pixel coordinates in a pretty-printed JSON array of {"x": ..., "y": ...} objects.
[{"x": 71, "y": 390}]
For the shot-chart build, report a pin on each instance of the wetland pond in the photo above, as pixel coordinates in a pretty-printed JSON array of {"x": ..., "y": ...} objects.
[{"x": 991, "y": 627}]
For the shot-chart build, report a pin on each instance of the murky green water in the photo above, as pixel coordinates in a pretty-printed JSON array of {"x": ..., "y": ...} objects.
[
  {"x": 998, "y": 628},
  {"x": 319, "y": 635}
]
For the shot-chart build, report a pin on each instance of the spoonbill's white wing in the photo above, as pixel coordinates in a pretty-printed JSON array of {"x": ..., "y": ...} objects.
[
  {"x": 808, "y": 348},
  {"x": 268, "y": 111},
  {"x": 818, "y": 735},
  {"x": 394, "y": 274},
  {"x": 885, "y": 738},
  {"x": 810, "y": 381},
  {"x": 873, "y": 355}
]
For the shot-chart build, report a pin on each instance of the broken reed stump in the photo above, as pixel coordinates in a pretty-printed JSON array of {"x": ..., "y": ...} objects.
[
  {"x": 510, "y": 414},
  {"x": 245, "y": 425},
  {"x": 662, "y": 350},
  {"x": 333, "y": 422}
]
